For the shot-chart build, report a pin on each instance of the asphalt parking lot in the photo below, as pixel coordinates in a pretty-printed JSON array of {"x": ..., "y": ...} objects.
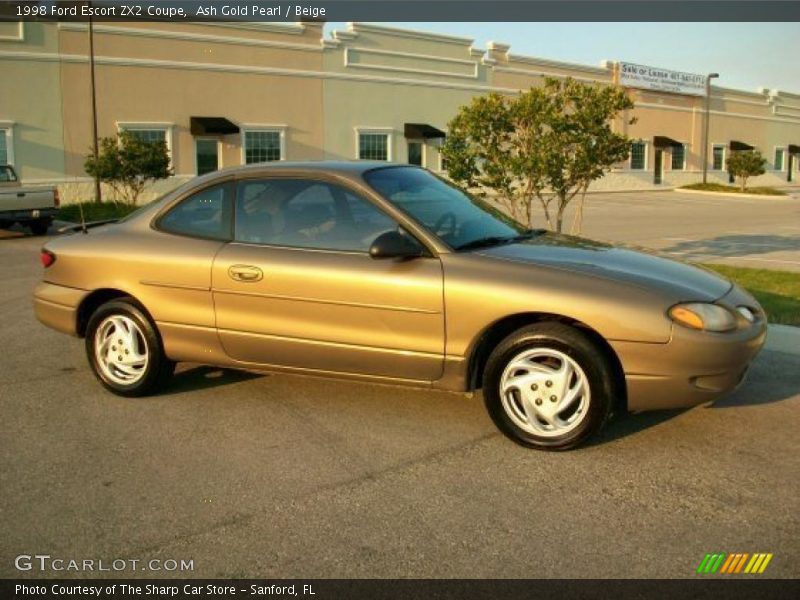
[
  {"x": 748, "y": 232},
  {"x": 283, "y": 476}
]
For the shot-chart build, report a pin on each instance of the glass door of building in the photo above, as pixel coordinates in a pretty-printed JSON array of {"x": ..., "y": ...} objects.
[
  {"x": 415, "y": 152},
  {"x": 207, "y": 155},
  {"x": 657, "y": 172}
]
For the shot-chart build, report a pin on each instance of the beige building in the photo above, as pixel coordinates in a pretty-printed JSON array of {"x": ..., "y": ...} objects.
[{"x": 224, "y": 94}]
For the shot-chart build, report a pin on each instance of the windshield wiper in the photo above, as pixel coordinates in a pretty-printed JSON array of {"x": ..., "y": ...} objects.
[
  {"x": 485, "y": 242},
  {"x": 528, "y": 234},
  {"x": 496, "y": 240}
]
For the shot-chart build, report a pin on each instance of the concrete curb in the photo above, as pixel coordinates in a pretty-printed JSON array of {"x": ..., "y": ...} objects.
[
  {"x": 734, "y": 194},
  {"x": 783, "y": 338}
]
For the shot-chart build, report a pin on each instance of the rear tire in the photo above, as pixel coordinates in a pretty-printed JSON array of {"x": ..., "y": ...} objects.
[
  {"x": 125, "y": 350},
  {"x": 548, "y": 386},
  {"x": 40, "y": 227}
]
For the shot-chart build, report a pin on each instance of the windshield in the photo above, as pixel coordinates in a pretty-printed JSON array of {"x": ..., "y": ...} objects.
[{"x": 458, "y": 219}]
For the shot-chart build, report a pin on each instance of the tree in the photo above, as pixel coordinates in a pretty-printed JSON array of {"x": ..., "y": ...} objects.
[
  {"x": 548, "y": 143},
  {"x": 127, "y": 164},
  {"x": 746, "y": 164}
]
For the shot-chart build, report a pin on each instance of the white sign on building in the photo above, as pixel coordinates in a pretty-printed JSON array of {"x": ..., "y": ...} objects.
[{"x": 662, "y": 80}]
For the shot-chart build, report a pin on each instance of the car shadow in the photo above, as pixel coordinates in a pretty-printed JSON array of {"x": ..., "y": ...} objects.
[
  {"x": 204, "y": 377},
  {"x": 731, "y": 246},
  {"x": 12, "y": 233},
  {"x": 17, "y": 231},
  {"x": 626, "y": 424}
]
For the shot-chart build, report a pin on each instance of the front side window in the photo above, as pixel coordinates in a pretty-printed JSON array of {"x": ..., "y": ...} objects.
[
  {"x": 779, "y": 153},
  {"x": 3, "y": 147},
  {"x": 441, "y": 208},
  {"x": 719, "y": 158},
  {"x": 373, "y": 146},
  {"x": 206, "y": 214},
  {"x": 262, "y": 146},
  {"x": 300, "y": 213},
  {"x": 678, "y": 157},
  {"x": 638, "y": 150}
]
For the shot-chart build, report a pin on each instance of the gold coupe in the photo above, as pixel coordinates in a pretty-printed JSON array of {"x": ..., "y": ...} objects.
[{"x": 387, "y": 273}]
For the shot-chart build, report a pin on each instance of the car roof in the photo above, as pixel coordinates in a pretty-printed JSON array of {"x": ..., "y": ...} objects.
[{"x": 317, "y": 166}]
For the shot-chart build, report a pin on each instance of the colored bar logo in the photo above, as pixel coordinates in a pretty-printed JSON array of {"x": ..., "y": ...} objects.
[{"x": 731, "y": 564}]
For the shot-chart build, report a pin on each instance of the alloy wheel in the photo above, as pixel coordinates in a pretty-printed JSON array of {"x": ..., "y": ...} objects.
[
  {"x": 121, "y": 350},
  {"x": 545, "y": 392}
]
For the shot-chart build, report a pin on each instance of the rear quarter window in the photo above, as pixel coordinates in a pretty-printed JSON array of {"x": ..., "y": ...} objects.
[{"x": 205, "y": 214}]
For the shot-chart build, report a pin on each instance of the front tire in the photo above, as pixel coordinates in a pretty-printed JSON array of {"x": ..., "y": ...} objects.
[
  {"x": 548, "y": 386},
  {"x": 125, "y": 350}
]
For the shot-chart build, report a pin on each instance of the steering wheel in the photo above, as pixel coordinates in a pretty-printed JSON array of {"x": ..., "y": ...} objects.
[{"x": 449, "y": 219}]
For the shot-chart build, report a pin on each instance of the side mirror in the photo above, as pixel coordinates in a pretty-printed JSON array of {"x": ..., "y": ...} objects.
[{"x": 393, "y": 244}]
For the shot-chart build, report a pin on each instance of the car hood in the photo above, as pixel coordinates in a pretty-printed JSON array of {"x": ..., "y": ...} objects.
[{"x": 635, "y": 267}]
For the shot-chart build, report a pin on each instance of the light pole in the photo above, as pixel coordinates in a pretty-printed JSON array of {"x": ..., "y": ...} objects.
[
  {"x": 97, "y": 193},
  {"x": 709, "y": 77}
]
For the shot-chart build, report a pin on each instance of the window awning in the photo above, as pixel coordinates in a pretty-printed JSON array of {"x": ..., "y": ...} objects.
[
  {"x": 212, "y": 126},
  {"x": 794, "y": 148},
  {"x": 662, "y": 141},
  {"x": 416, "y": 131},
  {"x": 737, "y": 146}
]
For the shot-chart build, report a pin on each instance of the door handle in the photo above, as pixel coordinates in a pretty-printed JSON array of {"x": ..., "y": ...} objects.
[{"x": 245, "y": 273}]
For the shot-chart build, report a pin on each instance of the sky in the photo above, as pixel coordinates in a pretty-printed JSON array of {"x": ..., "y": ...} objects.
[{"x": 746, "y": 55}]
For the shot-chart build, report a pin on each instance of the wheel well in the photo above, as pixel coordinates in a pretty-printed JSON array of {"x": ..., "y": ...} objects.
[
  {"x": 94, "y": 301},
  {"x": 498, "y": 331}
]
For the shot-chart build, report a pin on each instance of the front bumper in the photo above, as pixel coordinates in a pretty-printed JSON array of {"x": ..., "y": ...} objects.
[
  {"x": 57, "y": 306},
  {"x": 694, "y": 366}
]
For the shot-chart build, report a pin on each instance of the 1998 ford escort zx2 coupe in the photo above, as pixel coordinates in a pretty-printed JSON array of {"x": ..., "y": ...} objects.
[{"x": 387, "y": 273}]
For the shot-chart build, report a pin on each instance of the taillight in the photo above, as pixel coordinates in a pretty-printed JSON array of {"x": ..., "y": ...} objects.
[
  {"x": 47, "y": 258},
  {"x": 56, "y": 198}
]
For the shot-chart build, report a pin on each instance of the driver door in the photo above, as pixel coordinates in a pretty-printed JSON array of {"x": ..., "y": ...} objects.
[{"x": 297, "y": 287}]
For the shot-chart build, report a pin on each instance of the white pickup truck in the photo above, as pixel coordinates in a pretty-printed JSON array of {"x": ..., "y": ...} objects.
[{"x": 32, "y": 206}]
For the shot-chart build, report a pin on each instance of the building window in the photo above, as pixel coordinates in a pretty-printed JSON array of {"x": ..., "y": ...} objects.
[
  {"x": 150, "y": 132},
  {"x": 148, "y": 135},
  {"x": 3, "y": 147},
  {"x": 718, "y": 162},
  {"x": 6, "y": 143},
  {"x": 678, "y": 158},
  {"x": 779, "y": 154},
  {"x": 638, "y": 156},
  {"x": 374, "y": 145},
  {"x": 263, "y": 146}
]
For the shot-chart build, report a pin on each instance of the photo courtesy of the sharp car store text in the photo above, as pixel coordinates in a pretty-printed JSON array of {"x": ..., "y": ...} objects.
[{"x": 400, "y": 299}]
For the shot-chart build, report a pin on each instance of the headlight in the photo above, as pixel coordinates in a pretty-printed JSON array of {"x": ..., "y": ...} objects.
[
  {"x": 747, "y": 313},
  {"x": 699, "y": 315}
]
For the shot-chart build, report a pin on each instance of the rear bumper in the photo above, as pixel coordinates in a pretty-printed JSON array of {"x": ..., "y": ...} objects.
[
  {"x": 694, "y": 367},
  {"x": 57, "y": 306},
  {"x": 28, "y": 215}
]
